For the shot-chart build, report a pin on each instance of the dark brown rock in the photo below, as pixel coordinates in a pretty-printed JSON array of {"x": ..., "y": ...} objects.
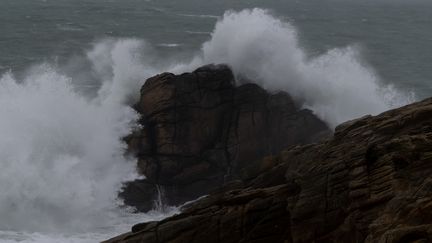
[
  {"x": 372, "y": 182},
  {"x": 366, "y": 184},
  {"x": 255, "y": 215},
  {"x": 200, "y": 132}
]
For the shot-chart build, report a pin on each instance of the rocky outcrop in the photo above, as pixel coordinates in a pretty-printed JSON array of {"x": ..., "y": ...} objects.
[
  {"x": 200, "y": 131},
  {"x": 372, "y": 182}
]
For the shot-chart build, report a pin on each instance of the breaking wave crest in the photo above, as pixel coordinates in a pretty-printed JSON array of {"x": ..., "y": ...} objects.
[
  {"x": 62, "y": 154},
  {"x": 336, "y": 85}
]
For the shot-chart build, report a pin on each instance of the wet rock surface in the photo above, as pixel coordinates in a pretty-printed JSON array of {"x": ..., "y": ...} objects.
[
  {"x": 201, "y": 131},
  {"x": 371, "y": 182}
]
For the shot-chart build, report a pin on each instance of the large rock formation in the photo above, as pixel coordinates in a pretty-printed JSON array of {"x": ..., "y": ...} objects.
[
  {"x": 200, "y": 131},
  {"x": 372, "y": 182}
]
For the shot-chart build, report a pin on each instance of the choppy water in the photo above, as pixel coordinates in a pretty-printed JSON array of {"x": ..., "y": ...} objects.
[
  {"x": 69, "y": 69},
  {"x": 395, "y": 35}
]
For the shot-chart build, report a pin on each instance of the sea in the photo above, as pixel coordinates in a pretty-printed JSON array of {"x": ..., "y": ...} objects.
[{"x": 70, "y": 69}]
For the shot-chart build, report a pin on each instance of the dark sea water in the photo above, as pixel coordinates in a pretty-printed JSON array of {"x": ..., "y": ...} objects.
[
  {"x": 70, "y": 68},
  {"x": 395, "y": 35}
]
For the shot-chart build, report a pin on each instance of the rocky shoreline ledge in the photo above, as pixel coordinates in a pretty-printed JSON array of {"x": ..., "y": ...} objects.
[{"x": 369, "y": 182}]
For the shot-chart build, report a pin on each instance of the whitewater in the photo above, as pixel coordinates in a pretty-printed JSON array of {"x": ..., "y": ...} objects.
[{"x": 62, "y": 155}]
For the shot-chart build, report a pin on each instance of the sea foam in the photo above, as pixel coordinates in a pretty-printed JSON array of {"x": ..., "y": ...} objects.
[
  {"x": 62, "y": 153},
  {"x": 337, "y": 85}
]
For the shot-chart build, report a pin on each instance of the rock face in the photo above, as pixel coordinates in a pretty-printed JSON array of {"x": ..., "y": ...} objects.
[
  {"x": 372, "y": 182},
  {"x": 200, "y": 131}
]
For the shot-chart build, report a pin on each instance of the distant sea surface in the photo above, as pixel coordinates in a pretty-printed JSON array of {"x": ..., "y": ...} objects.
[{"x": 395, "y": 35}]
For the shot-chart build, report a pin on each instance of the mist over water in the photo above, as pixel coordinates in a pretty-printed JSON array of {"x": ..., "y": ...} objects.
[
  {"x": 336, "y": 85},
  {"x": 62, "y": 156}
]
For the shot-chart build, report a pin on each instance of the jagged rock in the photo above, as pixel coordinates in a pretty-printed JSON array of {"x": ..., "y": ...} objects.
[
  {"x": 201, "y": 131},
  {"x": 372, "y": 182}
]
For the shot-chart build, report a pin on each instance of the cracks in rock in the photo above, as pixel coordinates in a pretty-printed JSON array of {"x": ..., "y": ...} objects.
[
  {"x": 219, "y": 230},
  {"x": 326, "y": 196},
  {"x": 226, "y": 141},
  {"x": 152, "y": 136},
  {"x": 242, "y": 221}
]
